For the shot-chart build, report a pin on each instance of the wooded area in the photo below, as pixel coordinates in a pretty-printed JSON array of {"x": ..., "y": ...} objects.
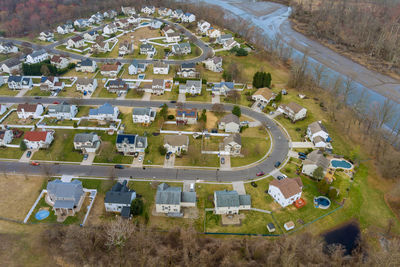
[{"x": 369, "y": 28}]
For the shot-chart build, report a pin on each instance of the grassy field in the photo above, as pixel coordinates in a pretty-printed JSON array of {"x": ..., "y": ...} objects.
[
  {"x": 13, "y": 119},
  {"x": 108, "y": 153},
  {"x": 35, "y": 91},
  {"x": 173, "y": 95},
  {"x": 10, "y": 153},
  {"x": 194, "y": 157},
  {"x": 253, "y": 149},
  {"x": 4, "y": 90},
  {"x": 70, "y": 92},
  {"x": 204, "y": 97}
]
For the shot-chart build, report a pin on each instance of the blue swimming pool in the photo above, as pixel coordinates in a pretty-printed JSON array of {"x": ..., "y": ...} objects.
[
  {"x": 322, "y": 202},
  {"x": 42, "y": 214},
  {"x": 144, "y": 23},
  {"x": 341, "y": 164}
]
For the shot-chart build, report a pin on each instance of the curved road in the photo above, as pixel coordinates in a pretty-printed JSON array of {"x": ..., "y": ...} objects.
[{"x": 280, "y": 149}]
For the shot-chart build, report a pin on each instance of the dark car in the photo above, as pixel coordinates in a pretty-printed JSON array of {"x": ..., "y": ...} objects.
[
  {"x": 301, "y": 154},
  {"x": 167, "y": 156},
  {"x": 85, "y": 156},
  {"x": 253, "y": 184},
  {"x": 222, "y": 160},
  {"x": 280, "y": 177},
  {"x": 173, "y": 101},
  {"x": 260, "y": 173},
  {"x": 277, "y": 164},
  {"x": 118, "y": 166},
  {"x": 28, "y": 154},
  {"x": 38, "y": 97},
  {"x": 302, "y": 157}
]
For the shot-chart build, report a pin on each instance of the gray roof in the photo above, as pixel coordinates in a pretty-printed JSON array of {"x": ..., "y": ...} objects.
[
  {"x": 85, "y": 81},
  {"x": 12, "y": 62},
  {"x": 244, "y": 200},
  {"x": 195, "y": 83},
  {"x": 189, "y": 197},
  {"x": 60, "y": 108},
  {"x": 106, "y": 108},
  {"x": 233, "y": 138},
  {"x": 64, "y": 190},
  {"x": 168, "y": 195},
  {"x": 86, "y": 62},
  {"x": 318, "y": 158},
  {"x": 316, "y": 127},
  {"x": 85, "y": 137},
  {"x": 176, "y": 140},
  {"x": 141, "y": 142},
  {"x": 227, "y": 198},
  {"x": 230, "y": 118},
  {"x": 120, "y": 193},
  {"x": 38, "y": 53},
  {"x": 141, "y": 111}
]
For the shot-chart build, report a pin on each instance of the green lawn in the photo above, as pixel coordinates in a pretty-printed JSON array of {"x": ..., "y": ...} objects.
[
  {"x": 35, "y": 91},
  {"x": 54, "y": 121},
  {"x": 43, "y": 205},
  {"x": 83, "y": 111},
  {"x": 154, "y": 157},
  {"x": 107, "y": 152},
  {"x": 173, "y": 95},
  {"x": 4, "y": 90},
  {"x": 194, "y": 157},
  {"x": 204, "y": 97},
  {"x": 13, "y": 119},
  {"x": 134, "y": 94},
  {"x": 70, "y": 92},
  {"x": 102, "y": 186},
  {"x": 104, "y": 93},
  {"x": 253, "y": 149},
  {"x": 10, "y": 153}
]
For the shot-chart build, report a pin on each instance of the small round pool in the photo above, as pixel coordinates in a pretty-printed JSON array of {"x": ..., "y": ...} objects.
[
  {"x": 42, "y": 214},
  {"x": 341, "y": 164},
  {"x": 322, "y": 202}
]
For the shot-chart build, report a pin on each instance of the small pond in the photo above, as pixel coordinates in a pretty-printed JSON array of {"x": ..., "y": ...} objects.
[{"x": 346, "y": 235}]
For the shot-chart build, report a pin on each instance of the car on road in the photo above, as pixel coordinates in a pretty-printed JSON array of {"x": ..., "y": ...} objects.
[
  {"x": 56, "y": 102},
  {"x": 34, "y": 163},
  {"x": 140, "y": 158},
  {"x": 28, "y": 154},
  {"x": 277, "y": 164},
  {"x": 253, "y": 184},
  {"x": 222, "y": 160},
  {"x": 261, "y": 173},
  {"x": 85, "y": 156},
  {"x": 172, "y": 101},
  {"x": 38, "y": 97},
  {"x": 118, "y": 166}
]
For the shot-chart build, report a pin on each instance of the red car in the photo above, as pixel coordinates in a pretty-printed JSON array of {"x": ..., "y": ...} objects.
[
  {"x": 260, "y": 173},
  {"x": 56, "y": 102},
  {"x": 34, "y": 163}
]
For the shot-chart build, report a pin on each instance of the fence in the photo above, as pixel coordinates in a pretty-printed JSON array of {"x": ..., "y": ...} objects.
[{"x": 188, "y": 132}]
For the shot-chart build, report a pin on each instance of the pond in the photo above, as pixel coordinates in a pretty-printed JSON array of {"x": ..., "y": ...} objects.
[{"x": 347, "y": 236}]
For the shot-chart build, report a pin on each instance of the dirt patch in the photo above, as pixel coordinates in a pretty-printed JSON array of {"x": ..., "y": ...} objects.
[
  {"x": 17, "y": 195},
  {"x": 232, "y": 219},
  {"x": 127, "y": 110},
  {"x": 142, "y": 33},
  {"x": 211, "y": 120}
]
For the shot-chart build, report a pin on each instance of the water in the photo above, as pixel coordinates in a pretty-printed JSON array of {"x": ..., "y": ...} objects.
[
  {"x": 322, "y": 201},
  {"x": 347, "y": 236},
  {"x": 341, "y": 164},
  {"x": 42, "y": 214}
]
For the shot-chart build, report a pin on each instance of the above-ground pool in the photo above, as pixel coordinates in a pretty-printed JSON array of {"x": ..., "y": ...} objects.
[
  {"x": 42, "y": 214},
  {"x": 344, "y": 164},
  {"x": 322, "y": 202}
]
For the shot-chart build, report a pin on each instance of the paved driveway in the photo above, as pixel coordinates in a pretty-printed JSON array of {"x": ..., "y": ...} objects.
[
  {"x": 181, "y": 98},
  {"x": 302, "y": 145},
  {"x": 227, "y": 164},
  {"x": 89, "y": 160},
  {"x": 24, "y": 158},
  {"x": 169, "y": 163},
  {"x": 239, "y": 187},
  {"x": 136, "y": 162},
  {"x": 146, "y": 96},
  {"x": 216, "y": 99}
]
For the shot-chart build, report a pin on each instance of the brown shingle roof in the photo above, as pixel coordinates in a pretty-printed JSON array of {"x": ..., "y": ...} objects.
[
  {"x": 265, "y": 92},
  {"x": 288, "y": 186},
  {"x": 27, "y": 107},
  {"x": 293, "y": 106},
  {"x": 176, "y": 140}
]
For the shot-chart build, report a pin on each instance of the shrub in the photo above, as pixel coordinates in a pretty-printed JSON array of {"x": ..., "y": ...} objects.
[
  {"x": 137, "y": 207},
  {"x": 162, "y": 150},
  {"x": 171, "y": 117}
]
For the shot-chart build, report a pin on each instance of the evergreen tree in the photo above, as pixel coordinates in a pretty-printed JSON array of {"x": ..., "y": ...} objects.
[
  {"x": 236, "y": 111},
  {"x": 137, "y": 207}
]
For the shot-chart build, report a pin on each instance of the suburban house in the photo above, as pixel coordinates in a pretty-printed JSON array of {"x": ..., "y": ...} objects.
[
  {"x": 122, "y": 23},
  {"x": 46, "y": 36},
  {"x": 155, "y": 24},
  {"x": 136, "y": 67},
  {"x": 148, "y": 10},
  {"x": 224, "y": 38},
  {"x": 160, "y": 68},
  {"x": 192, "y": 87},
  {"x": 3, "y": 109},
  {"x": 188, "y": 70},
  {"x": 110, "y": 14},
  {"x": 25, "y": 111},
  {"x": 63, "y": 111},
  {"x": 186, "y": 116},
  {"x": 66, "y": 198},
  {"x": 147, "y": 49},
  {"x": 8, "y": 47},
  {"x": 125, "y": 48},
  {"x": 214, "y": 64},
  {"x": 130, "y": 143},
  {"x": 11, "y": 66},
  {"x": 86, "y": 65},
  {"x": 188, "y": 17},
  {"x": 263, "y": 95},
  {"x": 1, "y": 81},
  {"x": 90, "y": 36},
  {"x": 228, "y": 45},
  {"x": 314, "y": 160},
  {"x": 110, "y": 70},
  {"x": 230, "y": 123},
  {"x": 96, "y": 18},
  {"x": 158, "y": 86},
  {"x": 230, "y": 202},
  {"x": 59, "y": 62},
  {"x": 293, "y": 111},
  {"x": 181, "y": 49},
  {"x": 6, "y": 136},
  {"x": 37, "y": 57},
  {"x": 110, "y": 29},
  {"x": 203, "y": 26},
  {"x": 100, "y": 46},
  {"x": 176, "y": 143},
  {"x": 177, "y": 14},
  {"x": 128, "y": 10},
  {"x": 19, "y": 82},
  {"x": 222, "y": 88},
  {"x": 104, "y": 112},
  {"x": 119, "y": 199},
  {"x": 38, "y": 139},
  {"x": 167, "y": 29},
  {"x": 51, "y": 83},
  {"x": 285, "y": 191},
  {"x": 76, "y": 42},
  {"x": 117, "y": 86},
  {"x": 87, "y": 142},
  {"x": 213, "y": 33},
  {"x": 86, "y": 85},
  {"x": 164, "y": 11},
  {"x": 318, "y": 134},
  {"x": 171, "y": 199},
  {"x": 231, "y": 145},
  {"x": 81, "y": 23},
  {"x": 65, "y": 29},
  {"x": 172, "y": 37},
  {"x": 143, "y": 115}
]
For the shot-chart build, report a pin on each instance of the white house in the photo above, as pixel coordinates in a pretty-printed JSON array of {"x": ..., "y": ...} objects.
[
  {"x": 285, "y": 191},
  {"x": 104, "y": 112},
  {"x": 128, "y": 10},
  {"x": 6, "y": 136},
  {"x": 173, "y": 37},
  {"x": 214, "y": 64},
  {"x": 143, "y": 115},
  {"x": 25, "y": 111},
  {"x": 156, "y": 24},
  {"x": 19, "y": 82},
  {"x": 8, "y": 47},
  {"x": 50, "y": 83},
  {"x": 157, "y": 87},
  {"x": 224, "y": 38},
  {"x": 188, "y": 17},
  {"x": 192, "y": 87},
  {"x": 176, "y": 144},
  {"x": 188, "y": 70},
  {"x": 177, "y": 14},
  {"x": 38, "y": 139},
  {"x": 87, "y": 142},
  {"x": 136, "y": 68},
  {"x": 314, "y": 160},
  {"x": 46, "y": 36},
  {"x": 230, "y": 202},
  {"x": 293, "y": 111},
  {"x": 100, "y": 46},
  {"x": 59, "y": 62},
  {"x": 86, "y": 65},
  {"x": 86, "y": 85},
  {"x": 76, "y": 42},
  {"x": 119, "y": 199},
  {"x": 230, "y": 123},
  {"x": 181, "y": 49},
  {"x": 128, "y": 144},
  {"x": 186, "y": 116},
  {"x": 222, "y": 88},
  {"x": 147, "y": 49},
  {"x": 228, "y": 45},
  {"x": 231, "y": 145},
  {"x": 203, "y": 26},
  {"x": 148, "y": 10},
  {"x": 263, "y": 95},
  {"x": 37, "y": 57},
  {"x": 11, "y": 66},
  {"x": 110, "y": 70},
  {"x": 165, "y": 12},
  {"x": 170, "y": 200},
  {"x": 318, "y": 134},
  {"x": 62, "y": 111},
  {"x": 81, "y": 23},
  {"x": 90, "y": 36},
  {"x": 110, "y": 29},
  {"x": 65, "y": 29},
  {"x": 125, "y": 48},
  {"x": 3, "y": 109},
  {"x": 160, "y": 68},
  {"x": 118, "y": 86},
  {"x": 214, "y": 33},
  {"x": 167, "y": 29}
]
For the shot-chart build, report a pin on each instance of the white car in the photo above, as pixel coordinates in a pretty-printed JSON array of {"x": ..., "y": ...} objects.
[{"x": 140, "y": 158}]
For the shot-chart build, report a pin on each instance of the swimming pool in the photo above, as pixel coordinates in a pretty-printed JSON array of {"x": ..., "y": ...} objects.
[
  {"x": 144, "y": 23},
  {"x": 42, "y": 214},
  {"x": 322, "y": 202},
  {"x": 341, "y": 164}
]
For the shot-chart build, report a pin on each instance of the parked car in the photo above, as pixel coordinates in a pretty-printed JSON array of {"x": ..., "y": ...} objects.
[
  {"x": 302, "y": 154},
  {"x": 118, "y": 166},
  {"x": 302, "y": 157},
  {"x": 28, "y": 154},
  {"x": 85, "y": 156},
  {"x": 167, "y": 156},
  {"x": 140, "y": 158},
  {"x": 261, "y": 173},
  {"x": 136, "y": 154},
  {"x": 253, "y": 184},
  {"x": 277, "y": 164},
  {"x": 222, "y": 160},
  {"x": 34, "y": 163},
  {"x": 280, "y": 177}
]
